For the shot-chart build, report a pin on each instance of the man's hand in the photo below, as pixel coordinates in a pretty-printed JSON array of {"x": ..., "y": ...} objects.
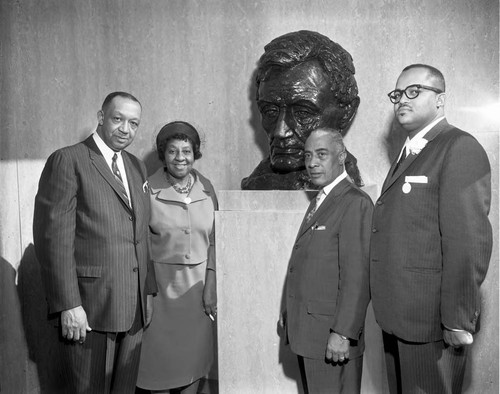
[
  {"x": 74, "y": 324},
  {"x": 149, "y": 310},
  {"x": 282, "y": 320},
  {"x": 337, "y": 348},
  {"x": 457, "y": 338}
]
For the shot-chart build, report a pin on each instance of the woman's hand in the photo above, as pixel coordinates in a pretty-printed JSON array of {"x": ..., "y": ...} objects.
[{"x": 210, "y": 295}]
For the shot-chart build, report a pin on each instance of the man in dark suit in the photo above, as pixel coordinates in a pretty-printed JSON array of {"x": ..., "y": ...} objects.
[
  {"x": 327, "y": 284},
  {"x": 431, "y": 241},
  {"x": 91, "y": 239}
]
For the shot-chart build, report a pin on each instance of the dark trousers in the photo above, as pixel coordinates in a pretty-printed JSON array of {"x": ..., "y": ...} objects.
[
  {"x": 324, "y": 377},
  {"x": 106, "y": 363},
  {"x": 424, "y": 367}
]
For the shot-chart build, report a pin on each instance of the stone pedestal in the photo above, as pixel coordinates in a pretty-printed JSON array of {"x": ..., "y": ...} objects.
[{"x": 255, "y": 231}]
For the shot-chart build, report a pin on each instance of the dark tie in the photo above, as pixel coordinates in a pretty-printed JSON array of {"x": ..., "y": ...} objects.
[
  {"x": 119, "y": 180},
  {"x": 401, "y": 159},
  {"x": 313, "y": 211}
]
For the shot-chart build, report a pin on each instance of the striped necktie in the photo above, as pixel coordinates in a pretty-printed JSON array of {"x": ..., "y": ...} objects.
[
  {"x": 313, "y": 211},
  {"x": 119, "y": 180}
]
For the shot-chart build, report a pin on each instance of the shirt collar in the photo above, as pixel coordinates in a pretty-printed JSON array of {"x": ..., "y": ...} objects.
[
  {"x": 328, "y": 188},
  {"x": 421, "y": 134},
  {"x": 106, "y": 151}
]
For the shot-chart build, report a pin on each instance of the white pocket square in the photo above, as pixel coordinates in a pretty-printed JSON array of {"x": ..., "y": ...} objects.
[
  {"x": 416, "y": 179},
  {"x": 319, "y": 228}
]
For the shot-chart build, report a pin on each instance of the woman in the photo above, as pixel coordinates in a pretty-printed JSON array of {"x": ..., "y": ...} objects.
[{"x": 177, "y": 348}]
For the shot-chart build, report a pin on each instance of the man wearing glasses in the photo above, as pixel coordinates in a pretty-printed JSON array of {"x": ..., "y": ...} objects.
[{"x": 431, "y": 241}]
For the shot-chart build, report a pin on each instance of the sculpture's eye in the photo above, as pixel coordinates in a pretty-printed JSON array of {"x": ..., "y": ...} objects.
[
  {"x": 303, "y": 117},
  {"x": 269, "y": 111}
]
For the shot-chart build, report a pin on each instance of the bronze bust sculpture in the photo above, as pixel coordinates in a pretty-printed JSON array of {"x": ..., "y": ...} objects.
[{"x": 304, "y": 81}]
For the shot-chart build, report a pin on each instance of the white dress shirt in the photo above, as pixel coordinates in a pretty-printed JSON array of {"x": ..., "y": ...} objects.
[
  {"x": 419, "y": 136},
  {"x": 328, "y": 188},
  {"x": 108, "y": 154}
]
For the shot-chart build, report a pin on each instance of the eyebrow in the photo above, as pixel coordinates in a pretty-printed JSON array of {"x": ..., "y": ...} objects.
[{"x": 117, "y": 112}]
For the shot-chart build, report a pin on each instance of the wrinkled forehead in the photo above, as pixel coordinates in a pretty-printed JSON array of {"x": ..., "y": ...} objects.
[{"x": 304, "y": 81}]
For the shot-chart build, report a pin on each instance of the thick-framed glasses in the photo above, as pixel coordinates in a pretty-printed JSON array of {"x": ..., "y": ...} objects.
[{"x": 411, "y": 92}]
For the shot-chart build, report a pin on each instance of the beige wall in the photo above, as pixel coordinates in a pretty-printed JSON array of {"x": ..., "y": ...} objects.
[{"x": 194, "y": 60}]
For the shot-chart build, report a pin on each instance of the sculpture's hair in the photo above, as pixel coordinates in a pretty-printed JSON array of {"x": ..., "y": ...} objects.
[
  {"x": 433, "y": 72},
  {"x": 111, "y": 96},
  {"x": 298, "y": 47}
]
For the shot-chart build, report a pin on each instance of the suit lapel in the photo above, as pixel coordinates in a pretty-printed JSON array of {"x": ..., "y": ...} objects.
[
  {"x": 135, "y": 183},
  {"x": 402, "y": 168},
  {"x": 102, "y": 167},
  {"x": 324, "y": 207},
  {"x": 305, "y": 223},
  {"x": 410, "y": 159}
]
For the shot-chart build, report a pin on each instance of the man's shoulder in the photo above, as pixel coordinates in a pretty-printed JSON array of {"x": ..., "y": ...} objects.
[
  {"x": 136, "y": 162},
  {"x": 454, "y": 139},
  {"x": 453, "y": 133},
  {"x": 353, "y": 192},
  {"x": 71, "y": 150},
  {"x": 131, "y": 155}
]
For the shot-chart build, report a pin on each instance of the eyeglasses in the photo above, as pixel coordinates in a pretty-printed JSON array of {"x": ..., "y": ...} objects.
[{"x": 411, "y": 92}]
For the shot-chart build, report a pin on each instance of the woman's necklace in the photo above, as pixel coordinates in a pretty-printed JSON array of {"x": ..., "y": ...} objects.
[{"x": 179, "y": 189}]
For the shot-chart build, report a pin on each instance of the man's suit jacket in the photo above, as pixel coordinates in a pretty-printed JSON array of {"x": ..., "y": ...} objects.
[
  {"x": 92, "y": 247},
  {"x": 431, "y": 246},
  {"x": 327, "y": 285}
]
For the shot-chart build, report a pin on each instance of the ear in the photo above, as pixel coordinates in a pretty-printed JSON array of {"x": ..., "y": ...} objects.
[
  {"x": 342, "y": 157},
  {"x": 100, "y": 117},
  {"x": 441, "y": 99},
  {"x": 349, "y": 113}
]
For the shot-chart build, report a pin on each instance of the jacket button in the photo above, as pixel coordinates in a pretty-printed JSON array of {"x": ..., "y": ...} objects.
[
  {"x": 291, "y": 269},
  {"x": 135, "y": 269},
  {"x": 187, "y": 256},
  {"x": 296, "y": 246},
  {"x": 374, "y": 230},
  {"x": 131, "y": 218},
  {"x": 187, "y": 231},
  {"x": 379, "y": 202}
]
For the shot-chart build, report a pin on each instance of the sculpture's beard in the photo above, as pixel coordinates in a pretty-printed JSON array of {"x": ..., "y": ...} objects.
[
  {"x": 290, "y": 162},
  {"x": 287, "y": 155}
]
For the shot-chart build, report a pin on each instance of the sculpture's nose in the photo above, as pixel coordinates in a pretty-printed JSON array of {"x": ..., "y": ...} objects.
[{"x": 281, "y": 129}]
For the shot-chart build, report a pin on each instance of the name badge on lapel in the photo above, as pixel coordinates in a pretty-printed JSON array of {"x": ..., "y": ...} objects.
[{"x": 413, "y": 179}]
